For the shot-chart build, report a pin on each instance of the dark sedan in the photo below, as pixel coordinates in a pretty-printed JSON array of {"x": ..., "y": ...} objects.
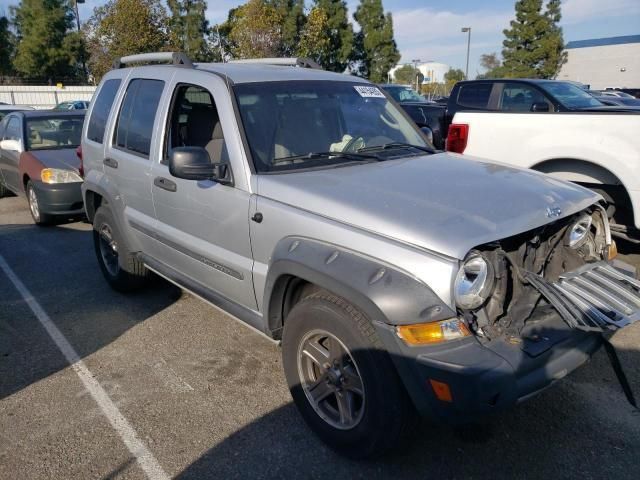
[{"x": 38, "y": 159}]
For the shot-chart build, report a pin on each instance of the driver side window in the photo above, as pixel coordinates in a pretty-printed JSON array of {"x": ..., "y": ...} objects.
[{"x": 194, "y": 122}]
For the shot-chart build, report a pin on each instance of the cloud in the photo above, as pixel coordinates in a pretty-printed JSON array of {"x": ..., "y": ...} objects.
[
  {"x": 576, "y": 11},
  {"x": 431, "y": 34}
]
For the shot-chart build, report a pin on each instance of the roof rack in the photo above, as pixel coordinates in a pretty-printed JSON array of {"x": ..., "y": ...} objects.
[
  {"x": 175, "y": 58},
  {"x": 285, "y": 62}
]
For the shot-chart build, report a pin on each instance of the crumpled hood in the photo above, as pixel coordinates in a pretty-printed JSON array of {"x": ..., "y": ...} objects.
[
  {"x": 64, "y": 158},
  {"x": 446, "y": 203}
]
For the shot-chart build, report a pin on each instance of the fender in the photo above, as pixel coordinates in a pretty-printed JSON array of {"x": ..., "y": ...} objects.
[{"x": 384, "y": 293}]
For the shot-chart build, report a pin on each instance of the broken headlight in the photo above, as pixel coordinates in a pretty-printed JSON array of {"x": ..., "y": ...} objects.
[
  {"x": 474, "y": 282},
  {"x": 579, "y": 232}
]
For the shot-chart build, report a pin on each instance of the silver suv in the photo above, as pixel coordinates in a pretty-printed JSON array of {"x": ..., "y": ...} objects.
[{"x": 305, "y": 203}]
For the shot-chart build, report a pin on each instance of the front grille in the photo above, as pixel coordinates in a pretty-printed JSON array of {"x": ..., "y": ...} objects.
[{"x": 596, "y": 297}]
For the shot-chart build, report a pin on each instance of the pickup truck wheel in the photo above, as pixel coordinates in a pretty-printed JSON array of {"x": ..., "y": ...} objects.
[
  {"x": 122, "y": 270},
  {"x": 342, "y": 379},
  {"x": 39, "y": 218}
]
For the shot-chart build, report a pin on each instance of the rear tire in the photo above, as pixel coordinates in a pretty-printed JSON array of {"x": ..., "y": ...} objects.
[
  {"x": 35, "y": 208},
  {"x": 4, "y": 191},
  {"x": 120, "y": 267},
  {"x": 355, "y": 402}
]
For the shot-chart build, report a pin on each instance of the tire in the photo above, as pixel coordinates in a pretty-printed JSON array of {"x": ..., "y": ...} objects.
[
  {"x": 122, "y": 270},
  {"x": 39, "y": 218},
  {"x": 4, "y": 191},
  {"x": 382, "y": 415}
]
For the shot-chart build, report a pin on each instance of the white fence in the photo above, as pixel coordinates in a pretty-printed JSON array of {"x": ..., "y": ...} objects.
[{"x": 43, "y": 96}]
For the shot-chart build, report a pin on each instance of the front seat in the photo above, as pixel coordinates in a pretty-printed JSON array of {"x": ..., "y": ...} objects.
[{"x": 204, "y": 130}]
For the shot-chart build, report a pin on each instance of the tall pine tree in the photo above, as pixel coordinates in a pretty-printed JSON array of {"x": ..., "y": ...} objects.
[
  {"x": 47, "y": 44},
  {"x": 339, "y": 31},
  {"x": 376, "y": 50},
  {"x": 6, "y": 47},
  {"x": 293, "y": 19},
  {"x": 533, "y": 46},
  {"x": 188, "y": 27}
]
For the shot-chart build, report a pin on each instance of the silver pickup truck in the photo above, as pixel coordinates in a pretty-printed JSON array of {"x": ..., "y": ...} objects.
[{"x": 308, "y": 205}]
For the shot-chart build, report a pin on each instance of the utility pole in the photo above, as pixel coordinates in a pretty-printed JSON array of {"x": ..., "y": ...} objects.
[
  {"x": 467, "y": 30},
  {"x": 415, "y": 71},
  {"x": 77, "y": 13}
]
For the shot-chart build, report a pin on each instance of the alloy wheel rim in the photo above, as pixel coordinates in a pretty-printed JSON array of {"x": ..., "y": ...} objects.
[
  {"x": 108, "y": 249},
  {"x": 331, "y": 380},
  {"x": 33, "y": 204}
]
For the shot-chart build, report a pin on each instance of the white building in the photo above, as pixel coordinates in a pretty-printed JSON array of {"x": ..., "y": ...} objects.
[
  {"x": 433, "y": 71},
  {"x": 604, "y": 62}
]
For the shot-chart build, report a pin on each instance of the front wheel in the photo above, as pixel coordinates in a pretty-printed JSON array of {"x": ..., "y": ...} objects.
[
  {"x": 342, "y": 379},
  {"x": 35, "y": 208}
]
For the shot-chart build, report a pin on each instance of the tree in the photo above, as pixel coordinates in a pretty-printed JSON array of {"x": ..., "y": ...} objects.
[
  {"x": 454, "y": 75},
  {"x": 406, "y": 75},
  {"x": 314, "y": 43},
  {"x": 533, "y": 46},
  {"x": 188, "y": 27},
  {"x": 339, "y": 31},
  {"x": 376, "y": 49},
  {"x": 125, "y": 27},
  {"x": 46, "y": 43},
  {"x": 489, "y": 61},
  {"x": 256, "y": 31},
  {"x": 293, "y": 20},
  {"x": 6, "y": 47},
  {"x": 553, "y": 42}
]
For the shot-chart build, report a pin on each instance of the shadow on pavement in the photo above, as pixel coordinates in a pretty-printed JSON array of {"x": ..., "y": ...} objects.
[
  {"x": 580, "y": 428},
  {"x": 61, "y": 272}
]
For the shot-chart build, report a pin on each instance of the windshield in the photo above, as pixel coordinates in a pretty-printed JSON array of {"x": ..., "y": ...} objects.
[
  {"x": 45, "y": 133},
  {"x": 571, "y": 96},
  {"x": 288, "y": 124},
  {"x": 404, "y": 94}
]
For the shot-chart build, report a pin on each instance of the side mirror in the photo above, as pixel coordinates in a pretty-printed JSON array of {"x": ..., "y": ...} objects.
[
  {"x": 428, "y": 133},
  {"x": 193, "y": 163},
  {"x": 10, "y": 145},
  {"x": 540, "y": 107}
]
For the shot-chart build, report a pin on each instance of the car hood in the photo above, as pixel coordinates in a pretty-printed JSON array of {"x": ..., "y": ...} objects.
[
  {"x": 447, "y": 203},
  {"x": 64, "y": 158}
]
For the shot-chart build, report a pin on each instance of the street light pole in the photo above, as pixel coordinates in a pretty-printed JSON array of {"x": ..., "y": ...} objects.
[
  {"x": 415, "y": 71},
  {"x": 467, "y": 30}
]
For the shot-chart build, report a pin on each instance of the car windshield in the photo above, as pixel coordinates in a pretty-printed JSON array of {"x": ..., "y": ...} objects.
[
  {"x": 44, "y": 133},
  {"x": 571, "y": 96},
  {"x": 404, "y": 94},
  {"x": 301, "y": 124}
]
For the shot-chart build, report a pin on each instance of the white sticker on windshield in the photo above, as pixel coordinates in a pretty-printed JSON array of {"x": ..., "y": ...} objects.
[{"x": 369, "y": 92}]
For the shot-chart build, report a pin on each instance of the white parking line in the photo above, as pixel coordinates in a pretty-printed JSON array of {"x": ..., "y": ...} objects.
[{"x": 138, "y": 449}]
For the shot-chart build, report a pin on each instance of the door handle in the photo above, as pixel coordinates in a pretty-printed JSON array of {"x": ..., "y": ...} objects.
[
  {"x": 165, "y": 184},
  {"x": 110, "y": 162}
]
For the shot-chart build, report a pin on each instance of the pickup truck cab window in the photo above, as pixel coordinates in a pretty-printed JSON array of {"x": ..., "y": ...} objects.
[
  {"x": 135, "y": 123},
  {"x": 288, "y": 121},
  {"x": 475, "y": 95},
  {"x": 518, "y": 97},
  {"x": 572, "y": 97}
]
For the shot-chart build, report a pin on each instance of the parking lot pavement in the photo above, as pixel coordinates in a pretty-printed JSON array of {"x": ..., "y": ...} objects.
[{"x": 206, "y": 396}]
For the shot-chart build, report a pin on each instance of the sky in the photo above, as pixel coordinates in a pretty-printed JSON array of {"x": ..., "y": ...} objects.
[{"x": 430, "y": 29}]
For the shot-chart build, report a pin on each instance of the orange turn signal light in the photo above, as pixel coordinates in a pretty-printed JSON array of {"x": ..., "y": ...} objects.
[
  {"x": 442, "y": 390},
  {"x": 433, "y": 332},
  {"x": 613, "y": 250}
]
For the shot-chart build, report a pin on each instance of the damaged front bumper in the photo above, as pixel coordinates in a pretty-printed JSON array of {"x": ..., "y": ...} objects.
[{"x": 488, "y": 376}]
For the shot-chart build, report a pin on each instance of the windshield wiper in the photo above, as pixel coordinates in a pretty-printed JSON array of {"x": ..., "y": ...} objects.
[
  {"x": 387, "y": 146},
  {"x": 328, "y": 155}
]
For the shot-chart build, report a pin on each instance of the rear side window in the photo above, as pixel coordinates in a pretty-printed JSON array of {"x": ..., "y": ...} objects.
[
  {"x": 137, "y": 115},
  {"x": 475, "y": 95},
  {"x": 101, "y": 110}
]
